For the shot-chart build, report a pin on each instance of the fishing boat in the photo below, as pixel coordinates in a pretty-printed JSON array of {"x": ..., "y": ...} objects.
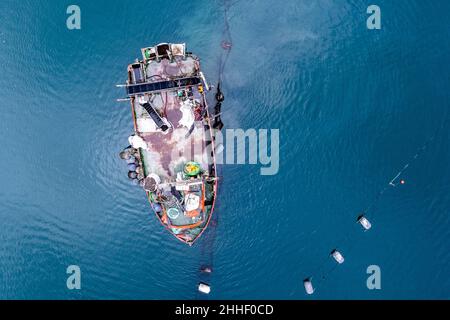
[{"x": 173, "y": 140}]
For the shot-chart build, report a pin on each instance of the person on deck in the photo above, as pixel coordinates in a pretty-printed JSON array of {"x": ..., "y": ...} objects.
[{"x": 137, "y": 142}]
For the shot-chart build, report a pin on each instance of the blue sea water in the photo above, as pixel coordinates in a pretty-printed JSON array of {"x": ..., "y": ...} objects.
[{"x": 353, "y": 106}]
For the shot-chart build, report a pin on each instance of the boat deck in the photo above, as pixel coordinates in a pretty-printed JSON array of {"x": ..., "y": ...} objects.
[{"x": 181, "y": 144}]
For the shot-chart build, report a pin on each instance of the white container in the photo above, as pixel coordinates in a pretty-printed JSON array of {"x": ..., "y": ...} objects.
[{"x": 337, "y": 256}]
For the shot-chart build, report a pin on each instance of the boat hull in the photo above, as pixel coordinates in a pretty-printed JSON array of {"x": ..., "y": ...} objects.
[{"x": 170, "y": 115}]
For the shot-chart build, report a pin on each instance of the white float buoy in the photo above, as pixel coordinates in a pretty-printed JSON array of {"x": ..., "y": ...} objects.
[
  {"x": 337, "y": 256},
  {"x": 206, "y": 269},
  {"x": 204, "y": 288},
  {"x": 308, "y": 286},
  {"x": 364, "y": 222}
]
